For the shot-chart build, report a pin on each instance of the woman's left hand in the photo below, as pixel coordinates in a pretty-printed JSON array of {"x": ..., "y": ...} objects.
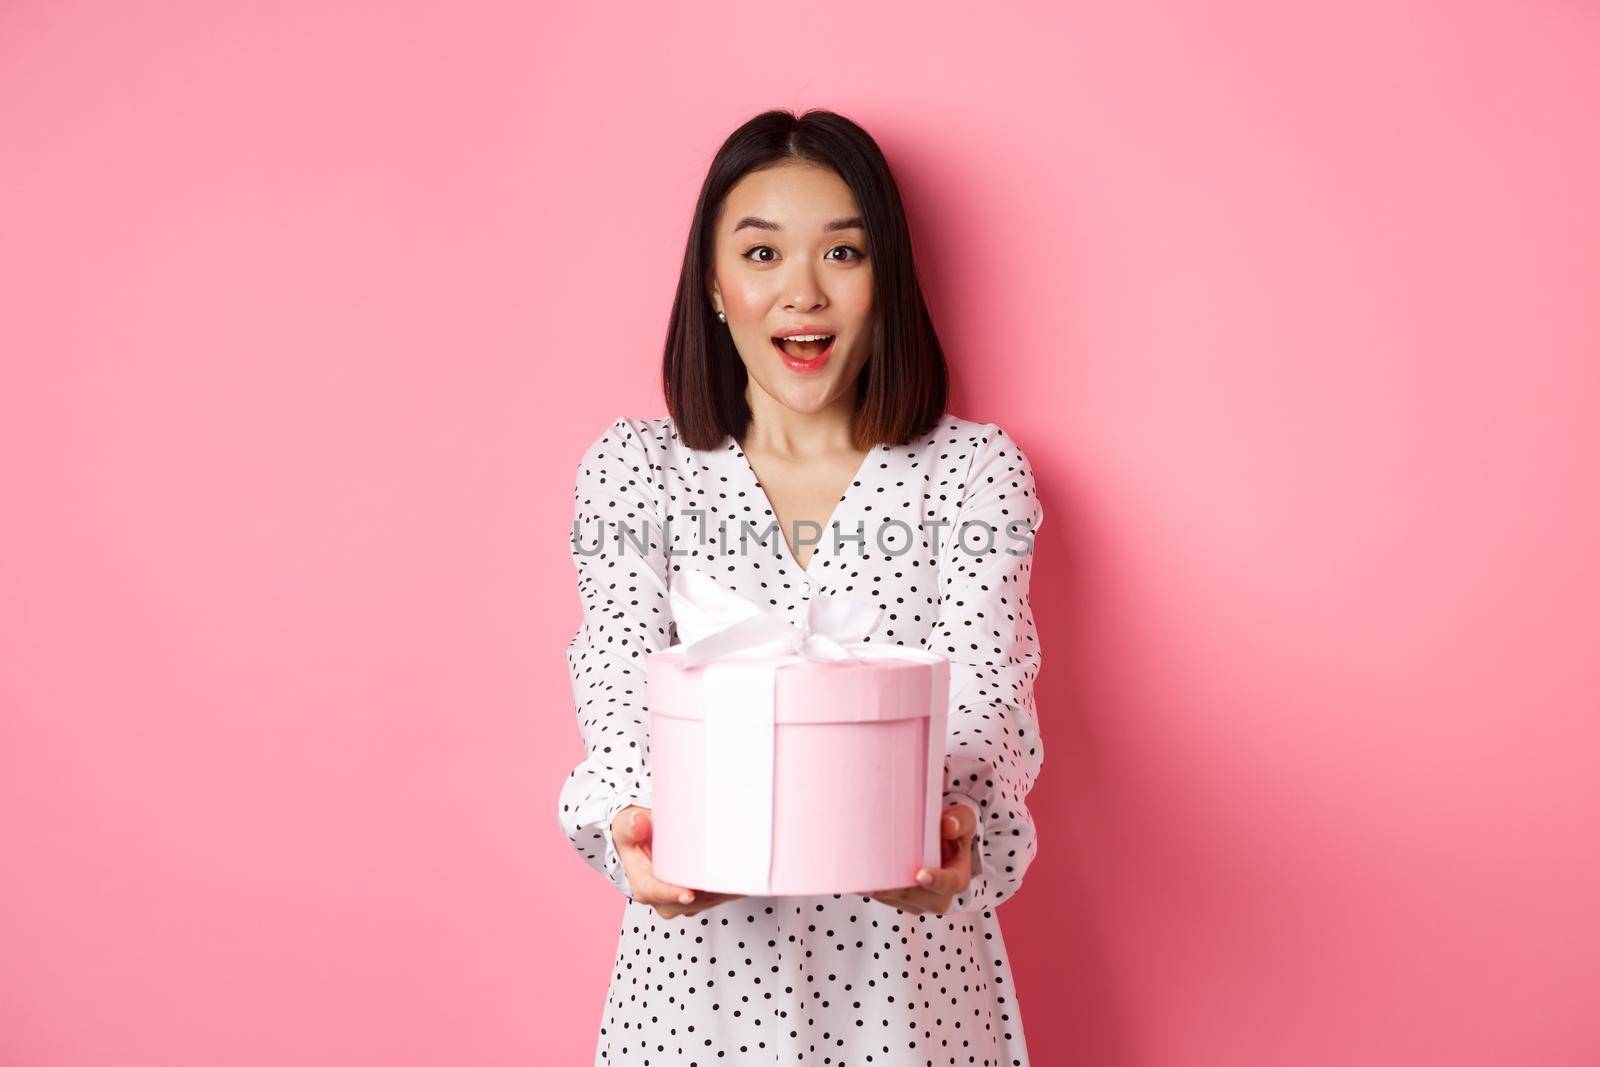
[{"x": 936, "y": 888}]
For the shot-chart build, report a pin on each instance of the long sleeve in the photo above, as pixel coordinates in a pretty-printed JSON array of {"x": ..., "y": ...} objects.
[
  {"x": 618, "y": 549},
  {"x": 986, "y": 628}
]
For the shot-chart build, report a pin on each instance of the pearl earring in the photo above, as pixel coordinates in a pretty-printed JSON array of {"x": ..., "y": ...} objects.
[{"x": 721, "y": 316}]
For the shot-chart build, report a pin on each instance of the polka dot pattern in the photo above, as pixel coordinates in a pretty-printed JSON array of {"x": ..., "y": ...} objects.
[{"x": 938, "y": 532}]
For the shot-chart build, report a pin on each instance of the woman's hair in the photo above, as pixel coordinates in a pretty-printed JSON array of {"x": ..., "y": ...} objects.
[{"x": 902, "y": 388}]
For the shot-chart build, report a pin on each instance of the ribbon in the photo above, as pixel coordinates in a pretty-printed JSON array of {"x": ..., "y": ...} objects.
[{"x": 742, "y": 645}]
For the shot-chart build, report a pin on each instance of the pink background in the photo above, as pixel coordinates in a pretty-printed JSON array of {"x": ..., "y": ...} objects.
[{"x": 310, "y": 309}]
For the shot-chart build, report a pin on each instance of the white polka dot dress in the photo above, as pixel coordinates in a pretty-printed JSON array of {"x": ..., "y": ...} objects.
[{"x": 825, "y": 980}]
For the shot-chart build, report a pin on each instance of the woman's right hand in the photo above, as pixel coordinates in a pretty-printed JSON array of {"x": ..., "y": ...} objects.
[{"x": 631, "y": 832}]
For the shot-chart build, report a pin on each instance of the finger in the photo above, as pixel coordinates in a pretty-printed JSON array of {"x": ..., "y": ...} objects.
[
  {"x": 716, "y": 898},
  {"x": 645, "y": 831},
  {"x": 658, "y": 892},
  {"x": 928, "y": 900},
  {"x": 958, "y": 821},
  {"x": 647, "y": 888},
  {"x": 633, "y": 830},
  {"x": 950, "y": 879},
  {"x": 702, "y": 901},
  {"x": 898, "y": 898}
]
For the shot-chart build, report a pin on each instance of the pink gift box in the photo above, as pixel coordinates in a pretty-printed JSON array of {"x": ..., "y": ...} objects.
[{"x": 781, "y": 774}]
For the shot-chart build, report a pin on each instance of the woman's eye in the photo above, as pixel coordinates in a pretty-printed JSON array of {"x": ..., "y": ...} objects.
[{"x": 855, "y": 253}]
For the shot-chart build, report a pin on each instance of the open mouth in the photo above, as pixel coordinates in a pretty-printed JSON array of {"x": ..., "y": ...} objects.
[{"x": 805, "y": 348}]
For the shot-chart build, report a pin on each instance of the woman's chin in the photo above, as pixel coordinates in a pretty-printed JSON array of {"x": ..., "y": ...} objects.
[
  {"x": 801, "y": 396},
  {"x": 804, "y": 394},
  {"x": 805, "y": 399}
]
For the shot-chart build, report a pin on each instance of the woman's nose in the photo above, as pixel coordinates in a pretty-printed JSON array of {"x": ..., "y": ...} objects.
[{"x": 804, "y": 293}]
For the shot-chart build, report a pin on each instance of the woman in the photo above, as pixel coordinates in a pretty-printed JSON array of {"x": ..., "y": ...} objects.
[{"x": 806, "y": 387}]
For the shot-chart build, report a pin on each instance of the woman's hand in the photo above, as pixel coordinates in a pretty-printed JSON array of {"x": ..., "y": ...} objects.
[
  {"x": 934, "y": 889},
  {"x": 630, "y": 832}
]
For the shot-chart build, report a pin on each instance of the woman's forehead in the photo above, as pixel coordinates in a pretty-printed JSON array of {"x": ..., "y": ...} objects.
[{"x": 790, "y": 199}]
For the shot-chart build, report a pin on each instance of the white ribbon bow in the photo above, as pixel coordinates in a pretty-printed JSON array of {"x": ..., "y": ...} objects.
[
  {"x": 732, "y": 638},
  {"x": 715, "y": 622}
]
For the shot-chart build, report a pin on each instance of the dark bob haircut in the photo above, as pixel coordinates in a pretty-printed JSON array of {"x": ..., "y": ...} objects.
[{"x": 902, "y": 388}]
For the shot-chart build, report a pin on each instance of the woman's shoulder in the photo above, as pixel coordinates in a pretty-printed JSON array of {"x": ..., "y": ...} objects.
[
  {"x": 630, "y": 451},
  {"x": 992, "y": 470},
  {"x": 632, "y": 434},
  {"x": 967, "y": 442}
]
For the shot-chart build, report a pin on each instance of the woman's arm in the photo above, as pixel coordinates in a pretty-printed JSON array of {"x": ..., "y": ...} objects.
[
  {"x": 985, "y": 627},
  {"x": 622, "y": 584}
]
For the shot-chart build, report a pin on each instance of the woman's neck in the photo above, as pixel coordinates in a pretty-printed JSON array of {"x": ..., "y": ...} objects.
[{"x": 780, "y": 430}]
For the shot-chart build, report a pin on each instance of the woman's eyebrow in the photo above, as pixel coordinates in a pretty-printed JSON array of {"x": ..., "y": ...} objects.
[{"x": 852, "y": 222}]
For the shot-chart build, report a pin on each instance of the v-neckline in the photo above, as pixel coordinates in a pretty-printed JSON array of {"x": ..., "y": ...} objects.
[{"x": 789, "y": 559}]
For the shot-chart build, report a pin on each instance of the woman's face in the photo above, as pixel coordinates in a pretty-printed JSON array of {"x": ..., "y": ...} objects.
[{"x": 790, "y": 251}]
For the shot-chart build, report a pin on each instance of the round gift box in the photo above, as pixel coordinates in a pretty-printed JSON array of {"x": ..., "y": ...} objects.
[{"x": 853, "y": 770}]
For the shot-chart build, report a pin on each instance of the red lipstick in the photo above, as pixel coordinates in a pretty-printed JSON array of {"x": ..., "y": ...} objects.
[{"x": 805, "y": 364}]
